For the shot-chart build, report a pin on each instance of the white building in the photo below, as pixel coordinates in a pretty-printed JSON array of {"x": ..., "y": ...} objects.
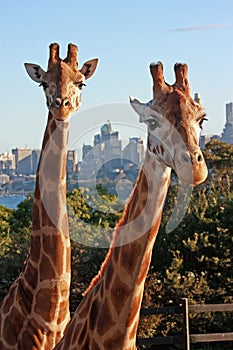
[
  {"x": 7, "y": 163},
  {"x": 4, "y": 179}
]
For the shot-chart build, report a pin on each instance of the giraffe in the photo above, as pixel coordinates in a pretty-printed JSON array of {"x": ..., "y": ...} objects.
[
  {"x": 108, "y": 315},
  {"x": 35, "y": 312}
]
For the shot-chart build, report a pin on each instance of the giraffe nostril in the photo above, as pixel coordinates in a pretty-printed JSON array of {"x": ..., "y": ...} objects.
[
  {"x": 199, "y": 158},
  {"x": 66, "y": 103},
  {"x": 57, "y": 102}
]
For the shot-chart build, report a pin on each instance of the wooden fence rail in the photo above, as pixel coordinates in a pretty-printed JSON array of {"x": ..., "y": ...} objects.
[{"x": 187, "y": 338}]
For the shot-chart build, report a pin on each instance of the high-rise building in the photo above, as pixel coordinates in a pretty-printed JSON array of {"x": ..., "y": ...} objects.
[
  {"x": 23, "y": 161},
  {"x": 227, "y": 134},
  {"x": 86, "y": 149},
  {"x": 35, "y": 159},
  {"x": 134, "y": 150},
  {"x": 90, "y": 158},
  {"x": 106, "y": 155},
  {"x": 229, "y": 112},
  {"x": 106, "y": 131},
  {"x": 202, "y": 141},
  {"x": 97, "y": 139},
  {"x": 197, "y": 98},
  {"x": 7, "y": 164},
  {"x": 4, "y": 179},
  {"x": 107, "y": 149},
  {"x": 72, "y": 160}
]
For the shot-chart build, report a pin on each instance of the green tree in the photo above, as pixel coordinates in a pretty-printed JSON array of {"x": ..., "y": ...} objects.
[
  {"x": 193, "y": 261},
  {"x": 15, "y": 237},
  {"x": 92, "y": 218}
]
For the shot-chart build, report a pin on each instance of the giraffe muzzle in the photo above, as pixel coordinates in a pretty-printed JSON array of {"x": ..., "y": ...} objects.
[
  {"x": 59, "y": 102},
  {"x": 191, "y": 167}
]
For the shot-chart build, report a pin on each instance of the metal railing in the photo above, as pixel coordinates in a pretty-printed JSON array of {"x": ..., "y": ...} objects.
[{"x": 186, "y": 339}]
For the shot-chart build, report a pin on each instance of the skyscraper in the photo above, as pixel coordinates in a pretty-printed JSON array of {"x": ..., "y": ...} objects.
[
  {"x": 134, "y": 150},
  {"x": 108, "y": 147},
  {"x": 23, "y": 160},
  {"x": 229, "y": 112},
  {"x": 227, "y": 134},
  {"x": 72, "y": 160},
  {"x": 7, "y": 163},
  {"x": 197, "y": 98},
  {"x": 35, "y": 159}
]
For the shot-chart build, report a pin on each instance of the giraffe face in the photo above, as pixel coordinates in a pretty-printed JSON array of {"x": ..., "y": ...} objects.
[
  {"x": 186, "y": 117},
  {"x": 173, "y": 136},
  {"x": 174, "y": 122},
  {"x": 63, "y": 90},
  {"x": 63, "y": 82}
]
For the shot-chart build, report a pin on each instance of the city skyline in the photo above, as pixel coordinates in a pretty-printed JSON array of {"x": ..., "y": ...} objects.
[
  {"x": 126, "y": 37},
  {"x": 106, "y": 157},
  {"x": 105, "y": 138},
  {"x": 24, "y": 161},
  {"x": 137, "y": 130}
]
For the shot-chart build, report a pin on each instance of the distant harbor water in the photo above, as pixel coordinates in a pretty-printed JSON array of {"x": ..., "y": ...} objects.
[{"x": 11, "y": 201}]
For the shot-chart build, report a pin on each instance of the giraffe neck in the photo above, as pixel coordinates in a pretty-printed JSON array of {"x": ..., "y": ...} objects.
[
  {"x": 39, "y": 298},
  {"x": 49, "y": 204},
  {"x": 107, "y": 317}
]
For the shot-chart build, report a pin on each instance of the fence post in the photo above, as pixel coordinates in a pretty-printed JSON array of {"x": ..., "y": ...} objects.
[{"x": 186, "y": 324}]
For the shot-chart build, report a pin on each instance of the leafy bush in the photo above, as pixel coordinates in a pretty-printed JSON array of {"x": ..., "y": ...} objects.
[{"x": 193, "y": 261}]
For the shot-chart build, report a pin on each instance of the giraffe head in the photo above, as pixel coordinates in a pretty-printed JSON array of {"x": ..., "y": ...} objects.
[
  {"x": 63, "y": 81},
  {"x": 174, "y": 122}
]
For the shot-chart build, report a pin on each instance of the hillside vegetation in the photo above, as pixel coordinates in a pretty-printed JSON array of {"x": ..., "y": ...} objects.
[{"x": 193, "y": 261}]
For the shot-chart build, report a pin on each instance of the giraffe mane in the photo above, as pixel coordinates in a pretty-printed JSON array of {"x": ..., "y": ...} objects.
[{"x": 114, "y": 239}]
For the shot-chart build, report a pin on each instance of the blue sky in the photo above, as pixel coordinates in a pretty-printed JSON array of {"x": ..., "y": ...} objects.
[{"x": 126, "y": 36}]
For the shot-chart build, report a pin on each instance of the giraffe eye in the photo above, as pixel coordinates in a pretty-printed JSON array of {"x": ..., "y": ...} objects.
[
  {"x": 153, "y": 124},
  {"x": 80, "y": 85},
  {"x": 44, "y": 85},
  {"x": 202, "y": 121}
]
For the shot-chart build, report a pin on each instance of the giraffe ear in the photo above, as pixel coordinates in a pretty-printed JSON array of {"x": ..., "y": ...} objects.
[
  {"x": 89, "y": 68},
  {"x": 35, "y": 72},
  {"x": 140, "y": 108}
]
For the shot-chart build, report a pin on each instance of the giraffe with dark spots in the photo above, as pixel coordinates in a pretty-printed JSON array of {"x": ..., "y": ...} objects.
[
  {"x": 35, "y": 312},
  {"x": 114, "y": 297}
]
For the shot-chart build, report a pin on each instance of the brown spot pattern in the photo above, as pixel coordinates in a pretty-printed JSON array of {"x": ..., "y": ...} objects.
[
  {"x": 82, "y": 334},
  {"x": 53, "y": 246},
  {"x": 114, "y": 342},
  {"x": 12, "y": 326},
  {"x": 31, "y": 275},
  {"x": 45, "y": 301},
  {"x": 119, "y": 294},
  {"x": 50, "y": 172},
  {"x": 93, "y": 314},
  {"x": 63, "y": 310},
  {"x": 7, "y": 303},
  {"x": 94, "y": 345},
  {"x": 83, "y": 308},
  {"x": 144, "y": 268},
  {"x": 134, "y": 310},
  {"x": 35, "y": 248},
  {"x": 109, "y": 274},
  {"x": 25, "y": 298},
  {"x": 46, "y": 269},
  {"x": 104, "y": 322},
  {"x": 36, "y": 224},
  {"x": 129, "y": 255}
]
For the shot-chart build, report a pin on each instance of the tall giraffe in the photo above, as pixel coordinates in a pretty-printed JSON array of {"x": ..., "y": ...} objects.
[
  {"x": 35, "y": 312},
  {"x": 107, "y": 318}
]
